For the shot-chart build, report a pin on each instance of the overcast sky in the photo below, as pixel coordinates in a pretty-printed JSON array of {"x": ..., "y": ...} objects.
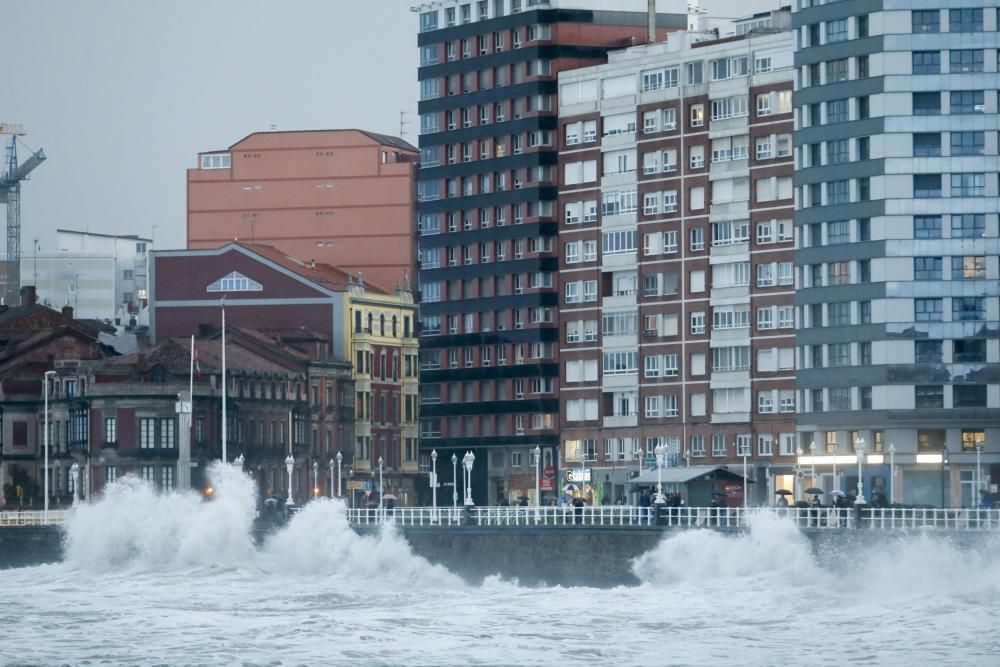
[{"x": 122, "y": 94}]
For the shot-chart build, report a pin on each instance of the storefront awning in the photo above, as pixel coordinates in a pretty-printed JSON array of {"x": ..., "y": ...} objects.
[{"x": 684, "y": 475}]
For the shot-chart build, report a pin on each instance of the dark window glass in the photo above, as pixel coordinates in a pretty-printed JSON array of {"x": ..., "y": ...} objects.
[
  {"x": 966, "y": 60},
  {"x": 968, "y": 351},
  {"x": 968, "y": 226},
  {"x": 926, "y": 62},
  {"x": 967, "y": 143},
  {"x": 928, "y": 352},
  {"x": 965, "y": 20},
  {"x": 929, "y": 396},
  {"x": 968, "y": 395},
  {"x": 928, "y": 310},
  {"x": 926, "y": 144},
  {"x": 927, "y": 268},
  {"x": 926, "y": 20},
  {"x": 927, "y": 185},
  {"x": 968, "y": 309},
  {"x": 963, "y": 101},
  {"x": 927, "y": 226}
]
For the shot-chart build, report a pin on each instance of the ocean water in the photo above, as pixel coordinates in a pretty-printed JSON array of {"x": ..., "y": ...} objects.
[{"x": 155, "y": 579}]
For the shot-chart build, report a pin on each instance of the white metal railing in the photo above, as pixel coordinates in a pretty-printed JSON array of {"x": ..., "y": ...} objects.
[
  {"x": 684, "y": 517},
  {"x": 32, "y": 518}
]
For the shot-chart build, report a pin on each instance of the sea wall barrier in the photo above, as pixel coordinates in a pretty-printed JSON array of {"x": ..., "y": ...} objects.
[{"x": 594, "y": 547}]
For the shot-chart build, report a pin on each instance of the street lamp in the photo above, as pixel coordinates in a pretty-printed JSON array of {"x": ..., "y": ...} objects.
[
  {"x": 45, "y": 468},
  {"x": 892, "y": 473},
  {"x": 836, "y": 449},
  {"x": 315, "y": 479},
  {"x": 979, "y": 469},
  {"x": 381, "y": 489},
  {"x": 289, "y": 464},
  {"x": 434, "y": 480},
  {"x": 798, "y": 473},
  {"x": 340, "y": 458},
  {"x": 538, "y": 481},
  {"x": 745, "y": 452},
  {"x": 812, "y": 452},
  {"x": 454, "y": 481},
  {"x": 659, "y": 450},
  {"x": 469, "y": 459},
  {"x": 74, "y": 470},
  {"x": 859, "y": 447}
]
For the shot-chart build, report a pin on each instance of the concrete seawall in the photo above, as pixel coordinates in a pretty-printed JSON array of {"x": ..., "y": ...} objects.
[{"x": 560, "y": 555}]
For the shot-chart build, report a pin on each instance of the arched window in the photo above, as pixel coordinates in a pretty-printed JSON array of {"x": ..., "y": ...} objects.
[
  {"x": 381, "y": 325},
  {"x": 381, "y": 363},
  {"x": 357, "y": 321},
  {"x": 393, "y": 326},
  {"x": 370, "y": 319}
]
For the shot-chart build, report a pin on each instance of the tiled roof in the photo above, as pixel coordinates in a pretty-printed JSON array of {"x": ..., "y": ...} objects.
[
  {"x": 326, "y": 275},
  {"x": 384, "y": 139}
]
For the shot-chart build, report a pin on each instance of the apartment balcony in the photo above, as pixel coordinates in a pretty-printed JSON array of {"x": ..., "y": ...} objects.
[
  {"x": 619, "y": 301},
  {"x": 729, "y": 380},
  {"x": 620, "y": 382},
  {"x": 731, "y": 418},
  {"x": 619, "y": 179},
  {"x": 728, "y": 168},
  {"x": 728, "y": 127},
  {"x": 625, "y": 260},
  {"x": 622, "y": 140},
  {"x": 733, "y": 210},
  {"x": 729, "y": 337},
  {"x": 614, "y": 342},
  {"x": 620, "y": 421}
]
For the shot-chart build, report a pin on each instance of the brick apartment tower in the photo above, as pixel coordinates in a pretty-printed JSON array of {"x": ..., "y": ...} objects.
[
  {"x": 488, "y": 218},
  {"x": 341, "y": 197},
  {"x": 676, "y": 256}
]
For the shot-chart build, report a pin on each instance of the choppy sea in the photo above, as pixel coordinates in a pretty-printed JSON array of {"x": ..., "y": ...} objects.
[{"x": 166, "y": 579}]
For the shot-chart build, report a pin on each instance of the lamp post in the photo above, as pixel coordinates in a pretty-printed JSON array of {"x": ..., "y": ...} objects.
[
  {"x": 434, "y": 480},
  {"x": 812, "y": 453},
  {"x": 659, "y": 450},
  {"x": 381, "y": 489},
  {"x": 340, "y": 458},
  {"x": 979, "y": 470},
  {"x": 859, "y": 447},
  {"x": 454, "y": 481},
  {"x": 836, "y": 448},
  {"x": 745, "y": 452},
  {"x": 798, "y": 473},
  {"x": 74, "y": 470},
  {"x": 469, "y": 459},
  {"x": 892, "y": 473},
  {"x": 45, "y": 468},
  {"x": 289, "y": 464},
  {"x": 315, "y": 479},
  {"x": 538, "y": 478}
]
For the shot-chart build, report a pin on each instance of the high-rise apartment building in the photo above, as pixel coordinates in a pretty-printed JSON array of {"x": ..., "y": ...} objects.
[
  {"x": 896, "y": 133},
  {"x": 340, "y": 197},
  {"x": 676, "y": 256},
  {"x": 487, "y": 220}
]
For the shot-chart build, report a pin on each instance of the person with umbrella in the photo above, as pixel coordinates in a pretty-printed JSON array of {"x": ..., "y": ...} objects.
[{"x": 783, "y": 497}]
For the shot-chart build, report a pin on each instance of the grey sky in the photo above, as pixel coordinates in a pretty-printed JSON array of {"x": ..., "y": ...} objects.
[{"x": 122, "y": 94}]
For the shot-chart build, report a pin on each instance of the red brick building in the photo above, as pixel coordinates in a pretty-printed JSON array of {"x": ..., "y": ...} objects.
[{"x": 342, "y": 197}]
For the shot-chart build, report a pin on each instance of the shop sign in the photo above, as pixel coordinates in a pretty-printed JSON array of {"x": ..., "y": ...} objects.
[
  {"x": 549, "y": 472},
  {"x": 578, "y": 475}
]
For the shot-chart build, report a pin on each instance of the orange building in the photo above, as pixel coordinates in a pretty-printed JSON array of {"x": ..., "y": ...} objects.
[{"x": 343, "y": 197}]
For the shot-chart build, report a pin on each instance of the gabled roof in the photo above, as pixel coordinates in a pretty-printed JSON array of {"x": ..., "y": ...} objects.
[
  {"x": 383, "y": 139},
  {"x": 326, "y": 275}
]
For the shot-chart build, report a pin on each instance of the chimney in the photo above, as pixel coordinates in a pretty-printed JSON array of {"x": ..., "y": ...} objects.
[
  {"x": 651, "y": 22},
  {"x": 67, "y": 312},
  {"x": 29, "y": 297}
]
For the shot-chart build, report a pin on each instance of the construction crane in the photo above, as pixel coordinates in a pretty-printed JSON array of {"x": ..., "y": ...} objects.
[{"x": 10, "y": 194}]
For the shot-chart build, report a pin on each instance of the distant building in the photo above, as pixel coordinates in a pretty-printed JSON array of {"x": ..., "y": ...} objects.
[
  {"x": 676, "y": 255},
  {"x": 361, "y": 323},
  {"x": 102, "y": 276},
  {"x": 342, "y": 197}
]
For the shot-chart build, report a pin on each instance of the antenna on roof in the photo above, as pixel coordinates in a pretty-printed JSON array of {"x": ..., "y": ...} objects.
[
  {"x": 403, "y": 123},
  {"x": 273, "y": 126}
]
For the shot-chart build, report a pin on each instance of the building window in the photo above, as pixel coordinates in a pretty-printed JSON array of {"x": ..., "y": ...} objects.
[
  {"x": 927, "y": 144},
  {"x": 926, "y": 104},
  {"x": 964, "y": 20},
  {"x": 926, "y": 20},
  {"x": 968, "y": 185},
  {"x": 966, "y": 101},
  {"x": 928, "y": 310},
  {"x": 927, "y": 185},
  {"x": 965, "y": 60},
  {"x": 235, "y": 282},
  {"x": 927, "y": 268},
  {"x": 110, "y": 430},
  {"x": 969, "y": 396},
  {"x": 927, "y": 226}
]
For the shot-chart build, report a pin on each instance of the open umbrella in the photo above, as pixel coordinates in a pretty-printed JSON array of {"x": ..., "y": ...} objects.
[
  {"x": 814, "y": 491},
  {"x": 389, "y": 496},
  {"x": 783, "y": 492},
  {"x": 838, "y": 492},
  {"x": 571, "y": 487}
]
